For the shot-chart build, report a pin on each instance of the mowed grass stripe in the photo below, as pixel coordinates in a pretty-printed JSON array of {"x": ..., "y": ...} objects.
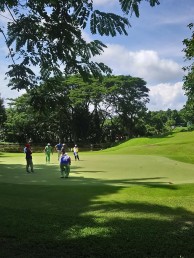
[{"x": 96, "y": 168}]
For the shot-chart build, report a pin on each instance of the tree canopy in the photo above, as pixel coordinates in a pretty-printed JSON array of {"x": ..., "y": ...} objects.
[
  {"x": 47, "y": 34},
  {"x": 189, "y": 56},
  {"x": 2, "y": 112},
  {"x": 188, "y": 85},
  {"x": 74, "y": 110},
  {"x": 94, "y": 112}
]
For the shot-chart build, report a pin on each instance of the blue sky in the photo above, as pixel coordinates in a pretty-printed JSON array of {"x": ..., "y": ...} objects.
[{"x": 152, "y": 50}]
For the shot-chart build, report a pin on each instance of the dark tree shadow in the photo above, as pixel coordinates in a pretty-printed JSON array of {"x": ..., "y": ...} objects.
[{"x": 72, "y": 219}]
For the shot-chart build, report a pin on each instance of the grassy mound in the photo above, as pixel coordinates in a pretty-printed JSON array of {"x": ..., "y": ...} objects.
[{"x": 178, "y": 146}]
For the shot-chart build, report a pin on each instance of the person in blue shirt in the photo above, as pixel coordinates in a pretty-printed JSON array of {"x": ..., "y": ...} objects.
[
  {"x": 65, "y": 162},
  {"x": 58, "y": 148}
]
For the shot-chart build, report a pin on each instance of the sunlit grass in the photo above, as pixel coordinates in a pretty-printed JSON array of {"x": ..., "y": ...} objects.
[
  {"x": 130, "y": 201},
  {"x": 177, "y": 146}
]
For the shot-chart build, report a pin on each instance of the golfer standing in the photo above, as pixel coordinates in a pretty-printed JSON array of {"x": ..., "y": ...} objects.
[
  {"x": 65, "y": 162},
  {"x": 29, "y": 163},
  {"x": 75, "y": 152},
  {"x": 48, "y": 150},
  {"x": 64, "y": 148},
  {"x": 58, "y": 148}
]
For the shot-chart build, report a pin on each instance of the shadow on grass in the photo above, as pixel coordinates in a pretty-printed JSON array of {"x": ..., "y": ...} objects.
[
  {"x": 50, "y": 174},
  {"x": 95, "y": 220}
]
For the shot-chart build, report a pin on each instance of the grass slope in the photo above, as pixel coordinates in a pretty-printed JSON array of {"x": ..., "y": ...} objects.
[
  {"x": 178, "y": 146},
  {"x": 111, "y": 206}
]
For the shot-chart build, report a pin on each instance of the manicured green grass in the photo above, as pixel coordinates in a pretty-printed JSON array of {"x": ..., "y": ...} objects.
[
  {"x": 97, "y": 221},
  {"x": 177, "y": 146},
  {"x": 117, "y": 203}
]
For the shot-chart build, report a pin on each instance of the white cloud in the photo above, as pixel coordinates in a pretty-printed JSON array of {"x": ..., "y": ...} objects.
[
  {"x": 104, "y": 2},
  {"x": 145, "y": 64},
  {"x": 163, "y": 76},
  {"x": 166, "y": 95}
]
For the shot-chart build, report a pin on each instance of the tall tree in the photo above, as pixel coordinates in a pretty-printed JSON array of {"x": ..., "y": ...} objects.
[
  {"x": 48, "y": 34},
  {"x": 20, "y": 120},
  {"x": 2, "y": 112},
  {"x": 85, "y": 100},
  {"x": 188, "y": 85},
  {"x": 51, "y": 100},
  {"x": 3, "y": 118},
  {"x": 189, "y": 56},
  {"x": 127, "y": 96}
]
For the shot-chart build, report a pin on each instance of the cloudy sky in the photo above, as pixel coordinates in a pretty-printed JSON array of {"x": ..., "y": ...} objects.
[{"x": 152, "y": 50}]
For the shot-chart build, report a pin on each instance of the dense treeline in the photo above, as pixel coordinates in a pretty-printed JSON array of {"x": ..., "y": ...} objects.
[{"x": 72, "y": 110}]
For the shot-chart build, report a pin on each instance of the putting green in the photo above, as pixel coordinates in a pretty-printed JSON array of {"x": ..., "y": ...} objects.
[{"x": 94, "y": 168}]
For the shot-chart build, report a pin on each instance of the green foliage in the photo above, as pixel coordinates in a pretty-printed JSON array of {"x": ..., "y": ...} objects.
[
  {"x": 133, "y": 5},
  {"x": 189, "y": 45},
  {"x": 48, "y": 34},
  {"x": 160, "y": 122},
  {"x": 128, "y": 97},
  {"x": 108, "y": 24},
  {"x": 8, "y": 3},
  {"x": 3, "y": 118},
  {"x": 106, "y": 110},
  {"x": 2, "y": 112},
  {"x": 178, "y": 146},
  {"x": 20, "y": 121},
  {"x": 189, "y": 56}
]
